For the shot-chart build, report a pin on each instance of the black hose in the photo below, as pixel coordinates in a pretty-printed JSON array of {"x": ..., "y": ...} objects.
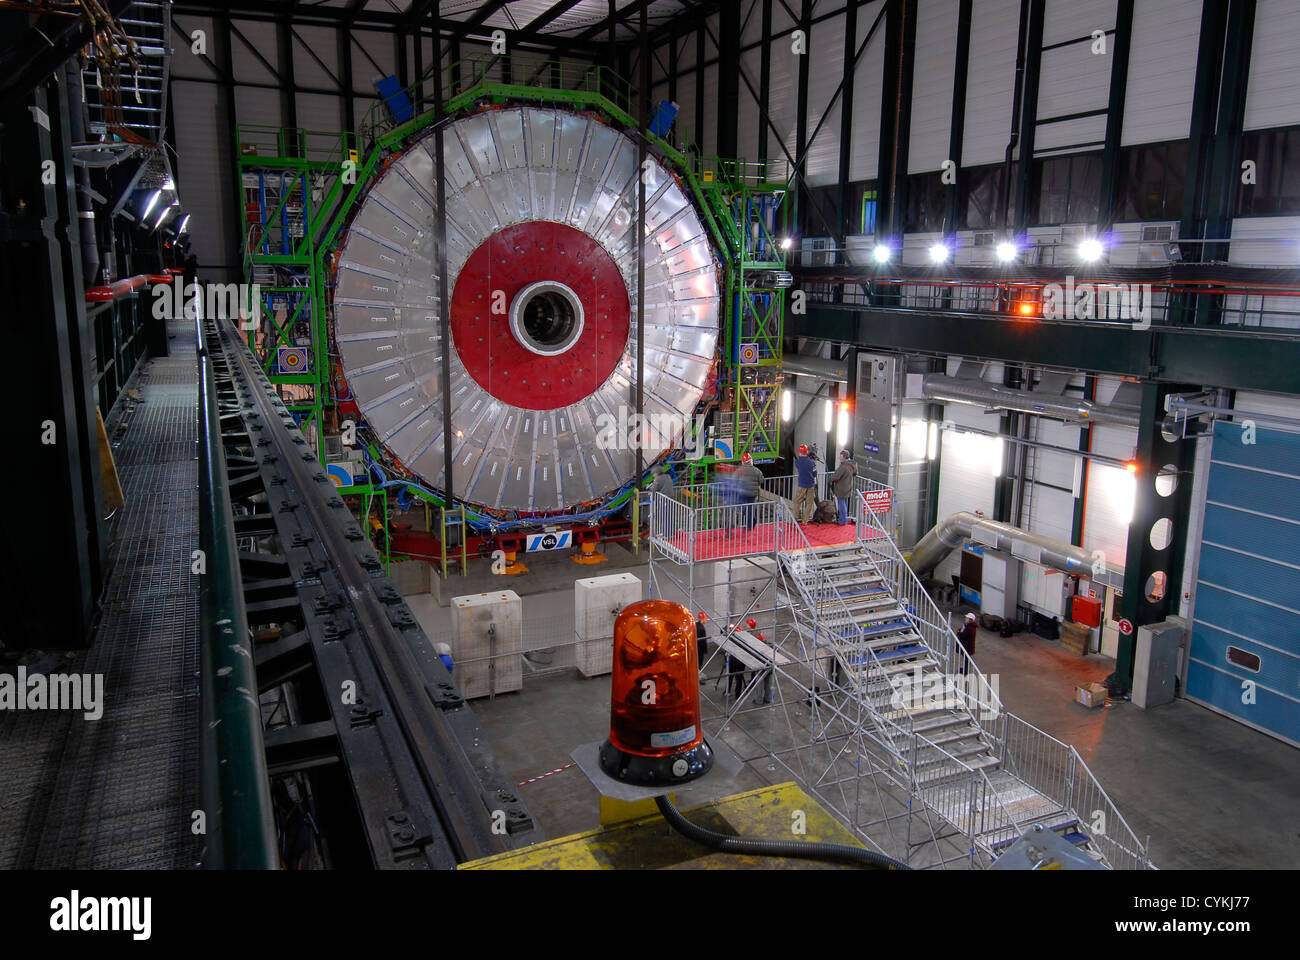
[{"x": 835, "y": 852}]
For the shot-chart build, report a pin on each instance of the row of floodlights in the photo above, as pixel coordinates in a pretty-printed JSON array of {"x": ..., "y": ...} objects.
[
  {"x": 167, "y": 210},
  {"x": 1088, "y": 251}
]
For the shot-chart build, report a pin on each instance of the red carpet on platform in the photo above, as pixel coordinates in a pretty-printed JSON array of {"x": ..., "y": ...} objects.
[{"x": 764, "y": 538}]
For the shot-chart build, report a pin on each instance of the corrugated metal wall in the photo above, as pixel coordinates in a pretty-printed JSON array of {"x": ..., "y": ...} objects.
[
  {"x": 936, "y": 46},
  {"x": 990, "y": 80},
  {"x": 868, "y": 80},
  {"x": 1271, "y": 99},
  {"x": 1161, "y": 71},
  {"x": 826, "y": 47},
  {"x": 1074, "y": 79},
  {"x": 1244, "y": 658}
]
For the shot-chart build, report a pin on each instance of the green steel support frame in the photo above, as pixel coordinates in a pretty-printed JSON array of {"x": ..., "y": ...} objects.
[{"x": 739, "y": 202}]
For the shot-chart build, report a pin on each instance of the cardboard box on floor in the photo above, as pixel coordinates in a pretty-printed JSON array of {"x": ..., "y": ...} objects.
[{"x": 1091, "y": 694}]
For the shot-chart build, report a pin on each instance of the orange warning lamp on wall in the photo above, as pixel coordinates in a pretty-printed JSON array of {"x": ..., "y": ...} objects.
[{"x": 654, "y": 728}]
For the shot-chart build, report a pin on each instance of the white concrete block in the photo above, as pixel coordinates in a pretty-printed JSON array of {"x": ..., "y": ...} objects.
[
  {"x": 487, "y": 643},
  {"x": 597, "y": 602}
]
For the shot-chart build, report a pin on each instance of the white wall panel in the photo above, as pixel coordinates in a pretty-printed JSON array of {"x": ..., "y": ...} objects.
[
  {"x": 1108, "y": 510},
  {"x": 1264, "y": 241},
  {"x": 751, "y": 22},
  {"x": 1274, "y": 404},
  {"x": 320, "y": 113},
  {"x": 186, "y": 63},
  {"x": 1271, "y": 99},
  {"x": 826, "y": 47},
  {"x": 782, "y": 97},
  {"x": 708, "y": 127},
  {"x": 1161, "y": 71},
  {"x": 966, "y": 480},
  {"x": 868, "y": 79},
  {"x": 205, "y": 178},
  {"x": 373, "y": 56},
  {"x": 686, "y": 105},
  {"x": 322, "y": 42},
  {"x": 1051, "y": 512},
  {"x": 259, "y": 37},
  {"x": 258, "y": 105},
  {"x": 1074, "y": 80},
  {"x": 1072, "y": 19},
  {"x": 936, "y": 47},
  {"x": 990, "y": 80},
  {"x": 658, "y": 64},
  {"x": 1057, "y": 469},
  {"x": 686, "y": 52}
]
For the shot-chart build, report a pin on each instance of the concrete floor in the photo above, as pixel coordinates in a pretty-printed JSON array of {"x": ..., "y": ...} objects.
[{"x": 1211, "y": 793}]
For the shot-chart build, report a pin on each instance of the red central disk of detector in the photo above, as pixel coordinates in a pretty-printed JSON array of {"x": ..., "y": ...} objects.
[{"x": 493, "y": 276}]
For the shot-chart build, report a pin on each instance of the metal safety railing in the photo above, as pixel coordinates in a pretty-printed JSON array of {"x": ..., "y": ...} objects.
[
  {"x": 929, "y": 620},
  {"x": 961, "y": 793},
  {"x": 1056, "y": 771},
  {"x": 234, "y": 783},
  {"x": 1052, "y": 768},
  {"x": 1138, "y": 303},
  {"x": 259, "y": 141}
]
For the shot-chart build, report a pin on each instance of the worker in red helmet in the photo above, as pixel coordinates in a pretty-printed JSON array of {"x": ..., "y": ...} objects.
[
  {"x": 749, "y": 481},
  {"x": 805, "y": 501},
  {"x": 702, "y": 638}
]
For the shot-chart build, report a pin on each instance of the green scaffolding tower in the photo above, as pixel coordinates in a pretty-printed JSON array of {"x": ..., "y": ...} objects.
[{"x": 290, "y": 182}]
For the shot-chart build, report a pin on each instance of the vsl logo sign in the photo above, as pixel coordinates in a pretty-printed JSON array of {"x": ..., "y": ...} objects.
[{"x": 559, "y": 540}]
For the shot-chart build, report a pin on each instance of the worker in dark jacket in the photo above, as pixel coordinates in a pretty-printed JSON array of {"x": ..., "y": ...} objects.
[
  {"x": 806, "y": 482},
  {"x": 702, "y": 638},
  {"x": 966, "y": 637},
  {"x": 735, "y": 674},
  {"x": 749, "y": 482},
  {"x": 842, "y": 485},
  {"x": 662, "y": 482}
]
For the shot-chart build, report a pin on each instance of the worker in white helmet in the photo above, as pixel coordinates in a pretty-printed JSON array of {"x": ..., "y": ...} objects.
[{"x": 966, "y": 637}]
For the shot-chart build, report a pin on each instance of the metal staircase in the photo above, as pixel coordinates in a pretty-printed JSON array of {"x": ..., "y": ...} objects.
[
  {"x": 878, "y": 710},
  {"x": 933, "y": 720},
  {"x": 124, "y": 79}
]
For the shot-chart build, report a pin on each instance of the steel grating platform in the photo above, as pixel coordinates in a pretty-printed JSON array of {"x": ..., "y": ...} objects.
[{"x": 119, "y": 792}]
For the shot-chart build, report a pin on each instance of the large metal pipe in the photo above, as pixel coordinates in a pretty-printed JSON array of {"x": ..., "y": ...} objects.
[
  {"x": 836, "y": 371},
  {"x": 945, "y": 389},
  {"x": 85, "y": 204},
  {"x": 949, "y": 534}
]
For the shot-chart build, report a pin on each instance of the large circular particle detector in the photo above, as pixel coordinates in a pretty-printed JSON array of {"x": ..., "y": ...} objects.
[{"x": 541, "y": 208}]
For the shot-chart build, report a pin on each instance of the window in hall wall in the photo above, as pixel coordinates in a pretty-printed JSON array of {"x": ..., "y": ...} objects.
[
  {"x": 820, "y": 213},
  {"x": 927, "y": 202},
  {"x": 979, "y": 188},
  {"x": 1151, "y": 181},
  {"x": 1277, "y": 173},
  {"x": 1065, "y": 189}
]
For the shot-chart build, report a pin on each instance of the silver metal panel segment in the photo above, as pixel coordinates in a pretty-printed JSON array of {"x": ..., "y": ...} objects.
[{"x": 507, "y": 167}]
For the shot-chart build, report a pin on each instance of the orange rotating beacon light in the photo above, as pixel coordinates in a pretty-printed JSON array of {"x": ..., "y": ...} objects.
[{"x": 654, "y": 730}]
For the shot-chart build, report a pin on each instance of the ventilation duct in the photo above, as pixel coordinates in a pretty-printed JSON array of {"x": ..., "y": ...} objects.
[
  {"x": 949, "y": 534},
  {"x": 836, "y": 371},
  {"x": 944, "y": 389}
]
